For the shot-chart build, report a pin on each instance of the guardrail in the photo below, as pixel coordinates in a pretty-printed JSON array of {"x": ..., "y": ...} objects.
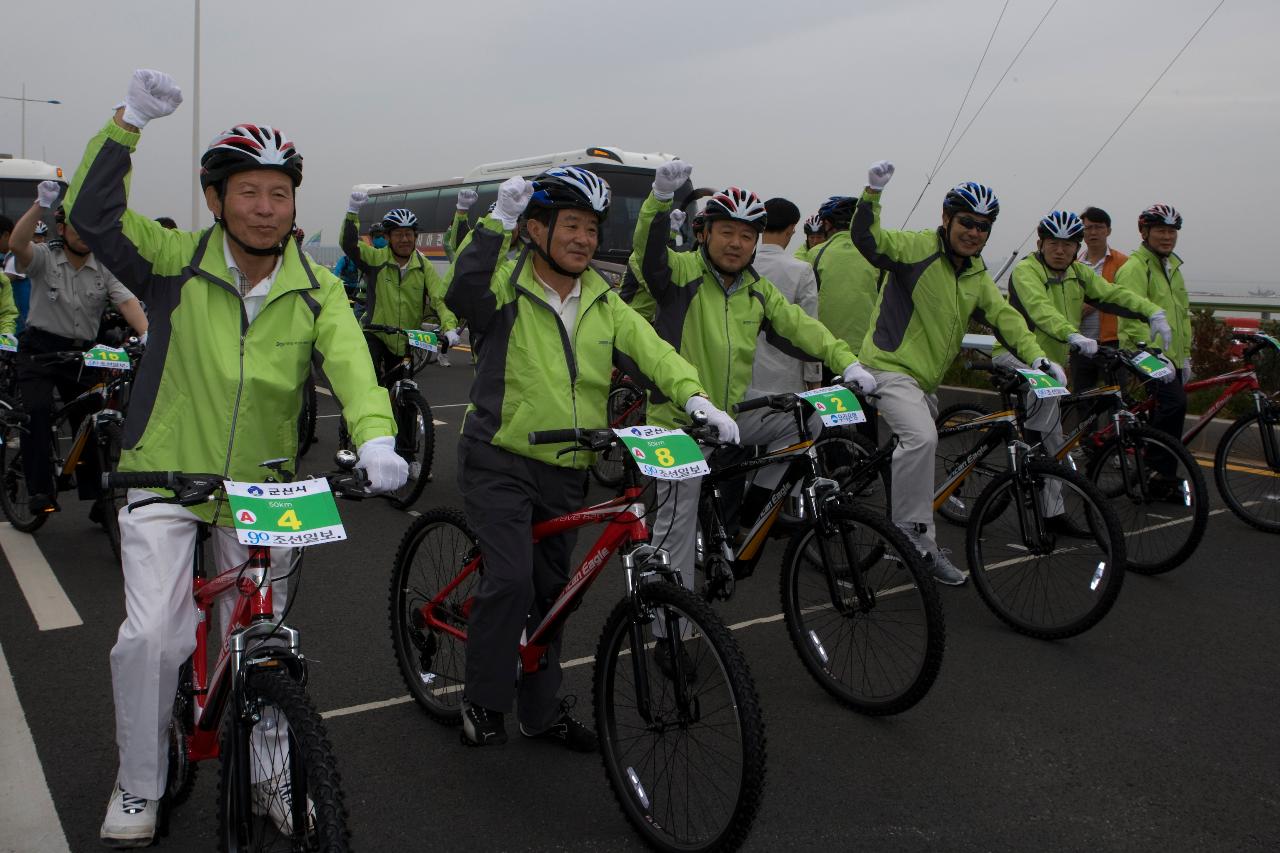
[{"x": 1266, "y": 307}]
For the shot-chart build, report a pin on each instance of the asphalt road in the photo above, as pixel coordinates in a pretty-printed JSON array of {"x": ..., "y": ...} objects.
[{"x": 1156, "y": 730}]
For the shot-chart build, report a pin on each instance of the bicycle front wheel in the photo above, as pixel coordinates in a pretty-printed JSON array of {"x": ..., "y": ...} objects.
[
  {"x": 279, "y": 788},
  {"x": 15, "y": 501},
  {"x": 1249, "y": 484},
  {"x": 416, "y": 442},
  {"x": 432, "y": 661},
  {"x": 1156, "y": 488},
  {"x": 685, "y": 753},
  {"x": 842, "y": 455},
  {"x": 874, "y": 639},
  {"x": 1046, "y": 551}
]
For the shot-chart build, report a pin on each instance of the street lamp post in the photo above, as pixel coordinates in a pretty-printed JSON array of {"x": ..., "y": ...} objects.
[{"x": 25, "y": 100}]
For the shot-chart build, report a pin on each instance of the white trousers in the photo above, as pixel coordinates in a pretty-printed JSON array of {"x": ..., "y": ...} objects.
[{"x": 157, "y": 544}]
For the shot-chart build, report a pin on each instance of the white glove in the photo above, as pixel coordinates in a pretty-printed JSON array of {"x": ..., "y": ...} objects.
[
  {"x": 1052, "y": 369},
  {"x": 358, "y": 198},
  {"x": 383, "y": 466},
  {"x": 677, "y": 220},
  {"x": 466, "y": 198},
  {"x": 513, "y": 198},
  {"x": 669, "y": 177},
  {"x": 726, "y": 427},
  {"x": 142, "y": 339},
  {"x": 856, "y": 374},
  {"x": 151, "y": 94},
  {"x": 879, "y": 174},
  {"x": 47, "y": 193},
  {"x": 453, "y": 338},
  {"x": 1086, "y": 345},
  {"x": 1159, "y": 323},
  {"x": 1186, "y": 370}
]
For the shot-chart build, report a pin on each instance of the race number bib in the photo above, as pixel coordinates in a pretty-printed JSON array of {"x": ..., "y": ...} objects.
[
  {"x": 663, "y": 454},
  {"x": 420, "y": 339},
  {"x": 836, "y": 405},
  {"x": 1151, "y": 365},
  {"x": 8, "y": 343},
  {"x": 1043, "y": 385},
  {"x": 285, "y": 515},
  {"x": 108, "y": 357}
]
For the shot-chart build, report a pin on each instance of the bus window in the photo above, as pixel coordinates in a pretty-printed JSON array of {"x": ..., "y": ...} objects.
[
  {"x": 447, "y": 207},
  {"x": 423, "y": 204},
  {"x": 488, "y": 195}
]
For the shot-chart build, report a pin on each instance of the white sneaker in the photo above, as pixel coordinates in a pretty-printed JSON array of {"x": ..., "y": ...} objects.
[
  {"x": 130, "y": 820},
  {"x": 274, "y": 798},
  {"x": 936, "y": 563},
  {"x": 443, "y": 360}
]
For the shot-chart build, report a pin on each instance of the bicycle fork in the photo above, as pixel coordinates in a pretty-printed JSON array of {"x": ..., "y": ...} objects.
[
  {"x": 818, "y": 495},
  {"x": 1268, "y": 418},
  {"x": 645, "y": 564},
  {"x": 1031, "y": 518}
]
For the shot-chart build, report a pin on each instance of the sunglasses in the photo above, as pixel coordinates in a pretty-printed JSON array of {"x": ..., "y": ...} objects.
[{"x": 974, "y": 224}]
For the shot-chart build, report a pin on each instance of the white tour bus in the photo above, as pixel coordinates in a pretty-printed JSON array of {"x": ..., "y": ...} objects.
[
  {"x": 18, "y": 180},
  {"x": 630, "y": 178}
]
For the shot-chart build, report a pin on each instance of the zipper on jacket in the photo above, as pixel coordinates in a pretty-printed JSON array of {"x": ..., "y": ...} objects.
[
  {"x": 728, "y": 352},
  {"x": 235, "y": 410}
]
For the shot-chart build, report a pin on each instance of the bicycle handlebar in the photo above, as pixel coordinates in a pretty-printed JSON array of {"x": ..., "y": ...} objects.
[
  {"x": 192, "y": 489},
  {"x": 441, "y": 341},
  {"x": 789, "y": 399}
]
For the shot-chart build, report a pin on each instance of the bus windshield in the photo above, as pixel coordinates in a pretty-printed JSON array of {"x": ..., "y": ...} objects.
[{"x": 435, "y": 206}]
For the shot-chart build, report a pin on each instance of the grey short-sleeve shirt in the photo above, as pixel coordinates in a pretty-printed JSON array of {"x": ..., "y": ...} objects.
[{"x": 66, "y": 301}]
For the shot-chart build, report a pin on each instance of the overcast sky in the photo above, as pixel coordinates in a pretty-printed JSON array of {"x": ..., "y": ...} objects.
[{"x": 794, "y": 102}]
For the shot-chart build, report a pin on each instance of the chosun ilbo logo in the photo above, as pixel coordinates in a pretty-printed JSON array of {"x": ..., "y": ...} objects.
[{"x": 255, "y": 491}]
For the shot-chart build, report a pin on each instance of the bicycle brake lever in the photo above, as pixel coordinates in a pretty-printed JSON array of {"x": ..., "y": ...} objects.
[{"x": 147, "y": 502}]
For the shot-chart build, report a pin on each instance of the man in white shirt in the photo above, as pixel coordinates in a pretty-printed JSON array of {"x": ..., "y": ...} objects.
[{"x": 774, "y": 371}]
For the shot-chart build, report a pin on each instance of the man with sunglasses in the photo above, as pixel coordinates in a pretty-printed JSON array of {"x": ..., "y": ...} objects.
[{"x": 936, "y": 283}]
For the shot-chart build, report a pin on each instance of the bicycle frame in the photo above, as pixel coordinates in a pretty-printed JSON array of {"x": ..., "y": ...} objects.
[
  {"x": 250, "y": 621},
  {"x": 1245, "y": 379},
  {"x": 624, "y": 520}
]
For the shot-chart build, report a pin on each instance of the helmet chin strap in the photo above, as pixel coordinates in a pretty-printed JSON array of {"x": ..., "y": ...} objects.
[
  {"x": 253, "y": 250},
  {"x": 721, "y": 270},
  {"x": 546, "y": 256}
]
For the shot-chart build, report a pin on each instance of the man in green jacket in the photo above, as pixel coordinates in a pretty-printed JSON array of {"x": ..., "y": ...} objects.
[
  {"x": 936, "y": 282},
  {"x": 1155, "y": 272},
  {"x": 8, "y": 308},
  {"x": 237, "y": 312},
  {"x": 404, "y": 288},
  {"x": 550, "y": 331},
  {"x": 847, "y": 283},
  {"x": 1050, "y": 289},
  {"x": 713, "y": 306}
]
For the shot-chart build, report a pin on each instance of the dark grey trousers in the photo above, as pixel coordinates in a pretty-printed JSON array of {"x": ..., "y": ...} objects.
[{"x": 504, "y": 494}]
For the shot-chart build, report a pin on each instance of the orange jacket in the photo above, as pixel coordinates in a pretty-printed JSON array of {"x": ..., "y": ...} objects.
[{"x": 1110, "y": 265}]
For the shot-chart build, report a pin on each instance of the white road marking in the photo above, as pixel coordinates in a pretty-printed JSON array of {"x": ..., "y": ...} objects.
[
  {"x": 48, "y": 602},
  {"x": 28, "y": 820},
  {"x": 737, "y": 626}
]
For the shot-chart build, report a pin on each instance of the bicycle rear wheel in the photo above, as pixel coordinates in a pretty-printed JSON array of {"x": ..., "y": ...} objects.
[
  {"x": 1248, "y": 483},
  {"x": 279, "y": 788},
  {"x": 307, "y": 417},
  {"x": 878, "y": 653},
  {"x": 1054, "y": 587},
  {"x": 1158, "y": 492},
  {"x": 953, "y": 450},
  {"x": 841, "y": 452},
  {"x": 432, "y": 662},
  {"x": 416, "y": 442},
  {"x": 685, "y": 755},
  {"x": 625, "y": 408}
]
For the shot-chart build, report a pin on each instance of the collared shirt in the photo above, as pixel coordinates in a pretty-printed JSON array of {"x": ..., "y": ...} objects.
[
  {"x": 66, "y": 301},
  {"x": 773, "y": 371},
  {"x": 252, "y": 294},
  {"x": 566, "y": 308}
]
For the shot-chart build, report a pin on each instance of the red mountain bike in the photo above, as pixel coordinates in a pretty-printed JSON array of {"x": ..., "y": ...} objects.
[
  {"x": 684, "y": 754},
  {"x": 1246, "y": 465},
  {"x": 252, "y": 712}
]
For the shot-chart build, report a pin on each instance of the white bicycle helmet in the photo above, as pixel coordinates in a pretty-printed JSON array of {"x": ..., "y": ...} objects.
[
  {"x": 973, "y": 197},
  {"x": 1161, "y": 214},
  {"x": 399, "y": 217},
  {"x": 1061, "y": 225},
  {"x": 245, "y": 147},
  {"x": 737, "y": 204}
]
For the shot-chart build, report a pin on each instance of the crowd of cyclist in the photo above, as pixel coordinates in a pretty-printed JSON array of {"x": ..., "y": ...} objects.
[{"x": 236, "y": 315}]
